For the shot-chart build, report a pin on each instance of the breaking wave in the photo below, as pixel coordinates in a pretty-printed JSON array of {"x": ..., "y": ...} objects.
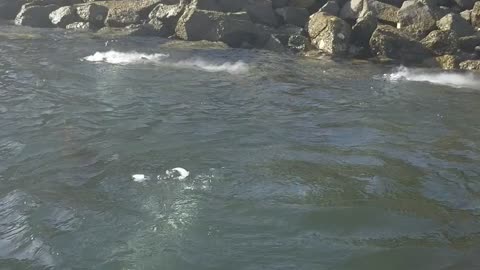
[
  {"x": 124, "y": 58},
  {"x": 453, "y": 79}
]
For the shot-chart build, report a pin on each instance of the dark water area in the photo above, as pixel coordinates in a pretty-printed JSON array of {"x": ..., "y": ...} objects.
[{"x": 294, "y": 163}]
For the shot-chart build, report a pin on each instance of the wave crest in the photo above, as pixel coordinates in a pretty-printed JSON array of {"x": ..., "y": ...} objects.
[{"x": 124, "y": 58}]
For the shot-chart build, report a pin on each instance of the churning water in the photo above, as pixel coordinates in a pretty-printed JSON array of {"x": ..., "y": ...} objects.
[{"x": 136, "y": 154}]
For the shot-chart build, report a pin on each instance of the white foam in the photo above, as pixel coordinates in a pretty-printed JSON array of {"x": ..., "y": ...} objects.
[
  {"x": 139, "y": 178},
  {"x": 124, "y": 58},
  {"x": 180, "y": 172},
  {"x": 453, "y": 79},
  {"x": 114, "y": 57}
]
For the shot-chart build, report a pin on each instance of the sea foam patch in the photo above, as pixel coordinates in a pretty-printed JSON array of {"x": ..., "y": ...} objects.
[
  {"x": 125, "y": 58},
  {"x": 453, "y": 79}
]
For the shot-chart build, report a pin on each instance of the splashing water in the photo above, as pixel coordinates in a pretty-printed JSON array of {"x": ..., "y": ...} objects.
[
  {"x": 458, "y": 80},
  {"x": 124, "y": 58}
]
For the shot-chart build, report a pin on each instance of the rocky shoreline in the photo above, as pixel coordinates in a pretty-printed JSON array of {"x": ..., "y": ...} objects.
[{"x": 434, "y": 33}]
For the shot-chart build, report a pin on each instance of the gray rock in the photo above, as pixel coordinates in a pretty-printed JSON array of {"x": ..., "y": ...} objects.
[
  {"x": 352, "y": 9},
  {"x": 298, "y": 43},
  {"x": 447, "y": 61},
  {"x": 475, "y": 15},
  {"x": 390, "y": 43},
  {"x": 331, "y": 7},
  {"x": 10, "y": 8},
  {"x": 279, "y": 3},
  {"x": 362, "y": 31},
  {"x": 64, "y": 16},
  {"x": 454, "y": 22},
  {"x": 441, "y": 42},
  {"x": 124, "y": 13},
  {"x": 35, "y": 16},
  {"x": 328, "y": 33},
  {"x": 301, "y": 3},
  {"x": 416, "y": 18},
  {"x": 92, "y": 13},
  {"x": 293, "y": 15},
  {"x": 357, "y": 8},
  {"x": 468, "y": 44},
  {"x": 465, "y": 4},
  {"x": 206, "y": 5},
  {"x": 234, "y": 29},
  {"x": 470, "y": 65},
  {"x": 79, "y": 26},
  {"x": 261, "y": 11},
  {"x": 167, "y": 11},
  {"x": 233, "y": 5},
  {"x": 161, "y": 28},
  {"x": 466, "y": 15},
  {"x": 274, "y": 44}
]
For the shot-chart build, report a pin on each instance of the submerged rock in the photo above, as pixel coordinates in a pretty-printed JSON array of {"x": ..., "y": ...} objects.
[
  {"x": 35, "y": 16},
  {"x": 388, "y": 42},
  {"x": 328, "y": 33}
]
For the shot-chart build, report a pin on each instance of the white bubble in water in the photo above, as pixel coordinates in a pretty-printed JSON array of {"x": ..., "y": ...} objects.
[
  {"x": 139, "y": 178},
  {"x": 182, "y": 173}
]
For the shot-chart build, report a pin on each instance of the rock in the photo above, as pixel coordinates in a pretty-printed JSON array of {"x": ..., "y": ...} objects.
[
  {"x": 301, "y": 3},
  {"x": 35, "y": 16},
  {"x": 447, "y": 61},
  {"x": 10, "y": 8},
  {"x": 168, "y": 10},
  {"x": 466, "y": 15},
  {"x": 465, "y": 4},
  {"x": 470, "y": 65},
  {"x": 64, "y": 16},
  {"x": 123, "y": 13},
  {"x": 274, "y": 44},
  {"x": 293, "y": 15},
  {"x": 453, "y": 22},
  {"x": 475, "y": 15},
  {"x": 92, "y": 13},
  {"x": 362, "y": 31},
  {"x": 79, "y": 26},
  {"x": 328, "y": 33},
  {"x": 441, "y": 42},
  {"x": 388, "y": 42},
  {"x": 235, "y": 29},
  {"x": 261, "y": 11},
  {"x": 161, "y": 29},
  {"x": 279, "y": 3},
  {"x": 416, "y": 18},
  {"x": 206, "y": 5},
  {"x": 357, "y": 8},
  {"x": 331, "y": 7},
  {"x": 233, "y": 5},
  {"x": 352, "y": 9},
  {"x": 298, "y": 43},
  {"x": 468, "y": 44}
]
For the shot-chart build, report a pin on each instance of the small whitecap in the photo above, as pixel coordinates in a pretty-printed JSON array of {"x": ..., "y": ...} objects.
[
  {"x": 179, "y": 173},
  {"x": 139, "y": 178}
]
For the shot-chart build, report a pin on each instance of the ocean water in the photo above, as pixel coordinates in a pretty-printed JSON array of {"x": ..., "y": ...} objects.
[{"x": 138, "y": 153}]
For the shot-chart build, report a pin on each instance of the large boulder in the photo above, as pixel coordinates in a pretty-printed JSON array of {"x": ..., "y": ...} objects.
[
  {"x": 388, "y": 42},
  {"x": 467, "y": 15},
  {"x": 416, "y": 18},
  {"x": 234, "y": 29},
  {"x": 92, "y": 13},
  {"x": 64, "y": 16},
  {"x": 35, "y": 16},
  {"x": 470, "y": 65},
  {"x": 293, "y": 15},
  {"x": 329, "y": 34},
  {"x": 475, "y": 15},
  {"x": 125, "y": 12},
  {"x": 455, "y": 23},
  {"x": 354, "y": 9},
  {"x": 362, "y": 31},
  {"x": 261, "y": 11},
  {"x": 441, "y": 42},
  {"x": 166, "y": 14}
]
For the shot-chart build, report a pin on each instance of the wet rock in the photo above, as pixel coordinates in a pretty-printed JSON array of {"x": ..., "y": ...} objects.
[
  {"x": 35, "y": 16},
  {"x": 298, "y": 43},
  {"x": 328, "y": 33},
  {"x": 455, "y": 23},
  {"x": 416, "y": 18},
  {"x": 447, "y": 61},
  {"x": 441, "y": 42},
  {"x": 79, "y": 26},
  {"x": 388, "y": 42},
  {"x": 470, "y": 65},
  {"x": 293, "y": 15},
  {"x": 261, "y": 11},
  {"x": 362, "y": 31},
  {"x": 475, "y": 15},
  {"x": 469, "y": 43},
  {"x": 92, "y": 13},
  {"x": 235, "y": 29},
  {"x": 64, "y": 16},
  {"x": 331, "y": 7}
]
